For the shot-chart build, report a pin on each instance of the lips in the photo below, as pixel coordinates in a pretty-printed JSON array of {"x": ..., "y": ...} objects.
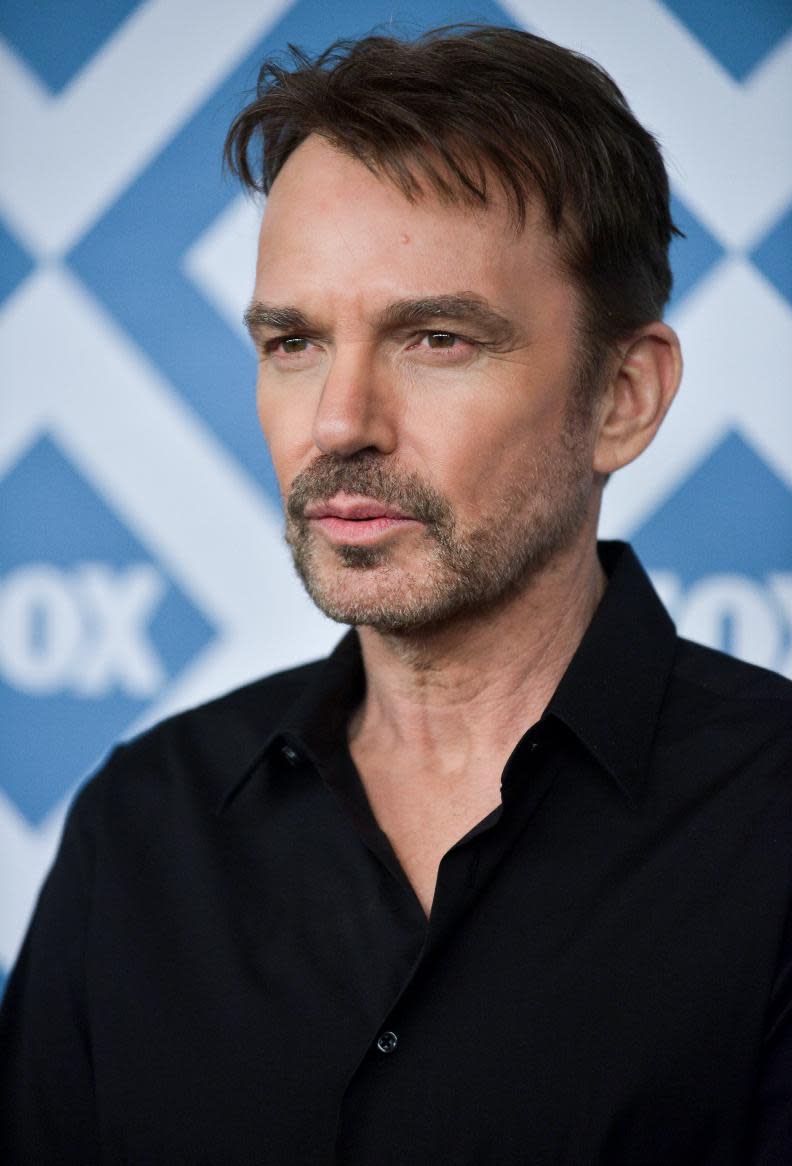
[
  {"x": 354, "y": 508},
  {"x": 356, "y": 520}
]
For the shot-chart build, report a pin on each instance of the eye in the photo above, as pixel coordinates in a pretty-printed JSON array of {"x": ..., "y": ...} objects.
[
  {"x": 441, "y": 339},
  {"x": 449, "y": 346},
  {"x": 289, "y": 345}
]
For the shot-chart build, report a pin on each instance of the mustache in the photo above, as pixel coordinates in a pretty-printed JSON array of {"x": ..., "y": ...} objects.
[{"x": 374, "y": 476}]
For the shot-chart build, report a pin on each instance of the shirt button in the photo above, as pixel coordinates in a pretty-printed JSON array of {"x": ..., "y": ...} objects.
[
  {"x": 387, "y": 1042},
  {"x": 291, "y": 755}
]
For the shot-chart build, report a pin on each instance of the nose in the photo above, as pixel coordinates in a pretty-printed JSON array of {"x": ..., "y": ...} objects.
[{"x": 357, "y": 407}]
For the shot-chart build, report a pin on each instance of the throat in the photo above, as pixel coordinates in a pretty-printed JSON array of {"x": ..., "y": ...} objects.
[{"x": 423, "y": 815}]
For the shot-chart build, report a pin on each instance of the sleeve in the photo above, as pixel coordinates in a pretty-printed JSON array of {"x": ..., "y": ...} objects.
[
  {"x": 772, "y": 1119},
  {"x": 47, "y": 1112}
]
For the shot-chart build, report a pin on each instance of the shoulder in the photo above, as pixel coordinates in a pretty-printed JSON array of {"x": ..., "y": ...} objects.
[
  {"x": 724, "y": 680},
  {"x": 238, "y": 720},
  {"x": 725, "y": 716},
  {"x": 190, "y": 759}
]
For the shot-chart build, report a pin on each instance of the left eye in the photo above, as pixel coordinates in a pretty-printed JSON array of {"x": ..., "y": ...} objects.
[{"x": 441, "y": 339}]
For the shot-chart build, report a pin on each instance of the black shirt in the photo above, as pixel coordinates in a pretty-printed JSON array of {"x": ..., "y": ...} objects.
[{"x": 227, "y": 964}]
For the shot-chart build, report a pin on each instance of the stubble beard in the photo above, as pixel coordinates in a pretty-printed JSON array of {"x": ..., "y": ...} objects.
[{"x": 458, "y": 570}]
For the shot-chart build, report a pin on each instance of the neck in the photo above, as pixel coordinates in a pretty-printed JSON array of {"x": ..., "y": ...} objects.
[{"x": 472, "y": 687}]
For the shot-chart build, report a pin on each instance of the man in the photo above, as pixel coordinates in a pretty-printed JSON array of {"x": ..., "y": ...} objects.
[{"x": 506, "y": 879}]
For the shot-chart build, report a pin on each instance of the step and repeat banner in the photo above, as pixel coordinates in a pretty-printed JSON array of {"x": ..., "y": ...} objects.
[{"x": 141, "y": 562}]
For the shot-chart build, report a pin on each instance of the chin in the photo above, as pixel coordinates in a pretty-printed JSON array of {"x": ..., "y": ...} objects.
[
  {"x": 369, "y": 594},
  {"x": 394, "y": 601}
]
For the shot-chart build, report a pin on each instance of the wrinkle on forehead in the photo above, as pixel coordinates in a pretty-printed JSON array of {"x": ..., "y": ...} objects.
[{"x": 337, "y": 237}]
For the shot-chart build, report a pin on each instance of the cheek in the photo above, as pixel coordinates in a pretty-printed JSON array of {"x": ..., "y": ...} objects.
[
  {"x": 261, "y": 407},
  {"x": 286, "y": 423},
  {"x": 469, "y": 439}
]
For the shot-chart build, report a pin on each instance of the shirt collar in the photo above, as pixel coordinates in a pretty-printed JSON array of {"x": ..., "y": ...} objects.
[
  {"x": 314, "y": 724},
  {"x": 609, "y": 697},
  {"x": 317, "y": 722},
  {"x": 612, "y": 690}
]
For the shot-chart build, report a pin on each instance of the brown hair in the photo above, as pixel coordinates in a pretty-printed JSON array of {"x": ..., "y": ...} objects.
[{"x": 463, "y": 104}]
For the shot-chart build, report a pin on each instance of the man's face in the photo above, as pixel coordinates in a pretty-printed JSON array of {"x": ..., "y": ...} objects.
[{"x": 418, "y": 364}]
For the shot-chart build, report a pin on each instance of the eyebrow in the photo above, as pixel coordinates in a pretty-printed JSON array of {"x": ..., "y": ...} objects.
[
  {"x": 280, "y": 319},
  {"x": 467, "y": 309}
]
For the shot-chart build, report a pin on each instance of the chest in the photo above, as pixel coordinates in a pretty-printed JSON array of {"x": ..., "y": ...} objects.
[{"x": 574, "y": 999}]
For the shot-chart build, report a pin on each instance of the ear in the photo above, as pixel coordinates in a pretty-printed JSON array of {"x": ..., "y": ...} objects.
[{"x": 638, "y": 396}]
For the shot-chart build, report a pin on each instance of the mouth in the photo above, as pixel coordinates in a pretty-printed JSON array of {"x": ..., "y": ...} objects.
[{"x": 356, "y": 519}]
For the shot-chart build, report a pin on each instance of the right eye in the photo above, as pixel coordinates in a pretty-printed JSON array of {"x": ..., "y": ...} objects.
[{"x": 288, "y": 345}]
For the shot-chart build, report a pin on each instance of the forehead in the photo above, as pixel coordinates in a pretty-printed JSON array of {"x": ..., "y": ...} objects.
[{"x": 329, "y": 218}]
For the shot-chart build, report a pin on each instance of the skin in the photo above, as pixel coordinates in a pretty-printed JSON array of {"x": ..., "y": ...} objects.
[{"x": 476, "y": 405}]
